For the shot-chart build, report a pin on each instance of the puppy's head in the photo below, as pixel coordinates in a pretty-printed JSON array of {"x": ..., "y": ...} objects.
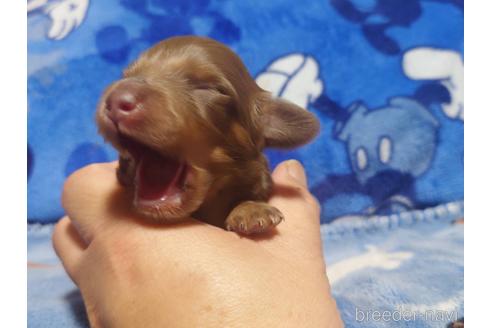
[{"x": 189, "y": 116}]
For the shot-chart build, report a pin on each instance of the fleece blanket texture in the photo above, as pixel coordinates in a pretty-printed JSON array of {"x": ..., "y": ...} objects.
[{"x": 385, "y": 78}]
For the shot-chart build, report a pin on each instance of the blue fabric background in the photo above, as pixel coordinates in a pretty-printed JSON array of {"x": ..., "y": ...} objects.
[{"x": 357, "y": 47}]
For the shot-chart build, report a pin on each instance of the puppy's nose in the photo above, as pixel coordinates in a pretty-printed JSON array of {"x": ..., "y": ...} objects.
[{"x": 123, "y": 100}]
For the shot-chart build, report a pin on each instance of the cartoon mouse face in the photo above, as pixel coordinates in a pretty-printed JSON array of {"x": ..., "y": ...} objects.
[
  {"x": 376, "y": 16},
  {"x": 401, "y": 137}
]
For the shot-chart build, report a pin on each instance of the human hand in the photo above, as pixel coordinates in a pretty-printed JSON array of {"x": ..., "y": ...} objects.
[{"x": 135, "y": 274}]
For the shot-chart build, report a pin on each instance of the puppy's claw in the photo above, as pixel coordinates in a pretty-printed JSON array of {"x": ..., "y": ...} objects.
[{"x": 253, "y": 217}]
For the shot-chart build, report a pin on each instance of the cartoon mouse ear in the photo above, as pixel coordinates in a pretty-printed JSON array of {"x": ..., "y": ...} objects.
[{"x": 286, "y": 125}]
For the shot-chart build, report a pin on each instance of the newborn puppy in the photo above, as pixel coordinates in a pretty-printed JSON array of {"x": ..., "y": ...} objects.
[{"x": 190, "y": 124}]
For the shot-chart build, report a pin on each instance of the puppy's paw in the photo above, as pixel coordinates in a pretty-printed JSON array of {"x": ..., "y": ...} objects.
[{"x": 253, "y": 217}]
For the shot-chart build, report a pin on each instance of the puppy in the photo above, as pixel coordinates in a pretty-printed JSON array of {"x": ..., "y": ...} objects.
[{"x": 190, "y": 124}]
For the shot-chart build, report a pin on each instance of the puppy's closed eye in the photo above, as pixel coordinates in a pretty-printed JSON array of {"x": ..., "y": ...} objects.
[{"x": 210, "y": 82}]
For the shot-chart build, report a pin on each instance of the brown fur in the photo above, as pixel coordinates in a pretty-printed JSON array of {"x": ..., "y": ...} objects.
[{"x": 200, "y": 105}]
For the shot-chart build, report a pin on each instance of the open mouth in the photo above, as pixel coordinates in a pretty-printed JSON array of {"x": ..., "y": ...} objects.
[{"x": 159, "y": 179}]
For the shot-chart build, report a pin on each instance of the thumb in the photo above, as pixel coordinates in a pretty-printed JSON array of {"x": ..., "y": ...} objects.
[
  {"x": 301, "y": 210},
  {"x": 290, "y": 172}
]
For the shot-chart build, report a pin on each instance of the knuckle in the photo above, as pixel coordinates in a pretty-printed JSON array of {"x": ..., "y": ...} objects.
[
  {"x": 76, "y": 177},
  {"x": 90, "y": 169},
  {"x": 56, "y": 235},
  {"x": 58, "y": 229},
  {"x": 80, "y": 178},
  {"x": 69, "y": 187},
  {"x": 86, "y": 171}
]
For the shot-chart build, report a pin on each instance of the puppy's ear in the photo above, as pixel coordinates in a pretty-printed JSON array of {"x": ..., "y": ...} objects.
[{"x": 286, "y": 125}]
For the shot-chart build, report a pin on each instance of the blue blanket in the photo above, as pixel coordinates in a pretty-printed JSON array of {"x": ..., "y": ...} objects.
[
  {"x": 385, "y": 271},
  {"x": 385, "y": 78}
]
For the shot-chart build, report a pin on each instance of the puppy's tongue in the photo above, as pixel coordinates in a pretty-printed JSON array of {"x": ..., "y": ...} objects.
[{"x": 157, "y": 177}]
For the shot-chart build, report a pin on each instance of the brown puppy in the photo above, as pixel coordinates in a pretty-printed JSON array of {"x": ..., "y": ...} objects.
[{"x": 190, "y": 124}]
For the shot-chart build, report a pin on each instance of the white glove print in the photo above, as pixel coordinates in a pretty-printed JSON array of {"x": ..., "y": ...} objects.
[
  {"x": 443, "y": 65},
  {"x": 65, "y": 16}
]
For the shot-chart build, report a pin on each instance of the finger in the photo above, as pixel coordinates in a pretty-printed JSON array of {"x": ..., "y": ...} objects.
[
  {"x": 89, "y": 194},
  {"x": 69, "y": 246},
  {"x": 292, "y": 197},
  {"x": 301, "y": 227}
]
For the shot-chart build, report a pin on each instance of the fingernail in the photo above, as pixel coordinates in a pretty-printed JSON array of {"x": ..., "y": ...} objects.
[{"x": 296, "y": 171}]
